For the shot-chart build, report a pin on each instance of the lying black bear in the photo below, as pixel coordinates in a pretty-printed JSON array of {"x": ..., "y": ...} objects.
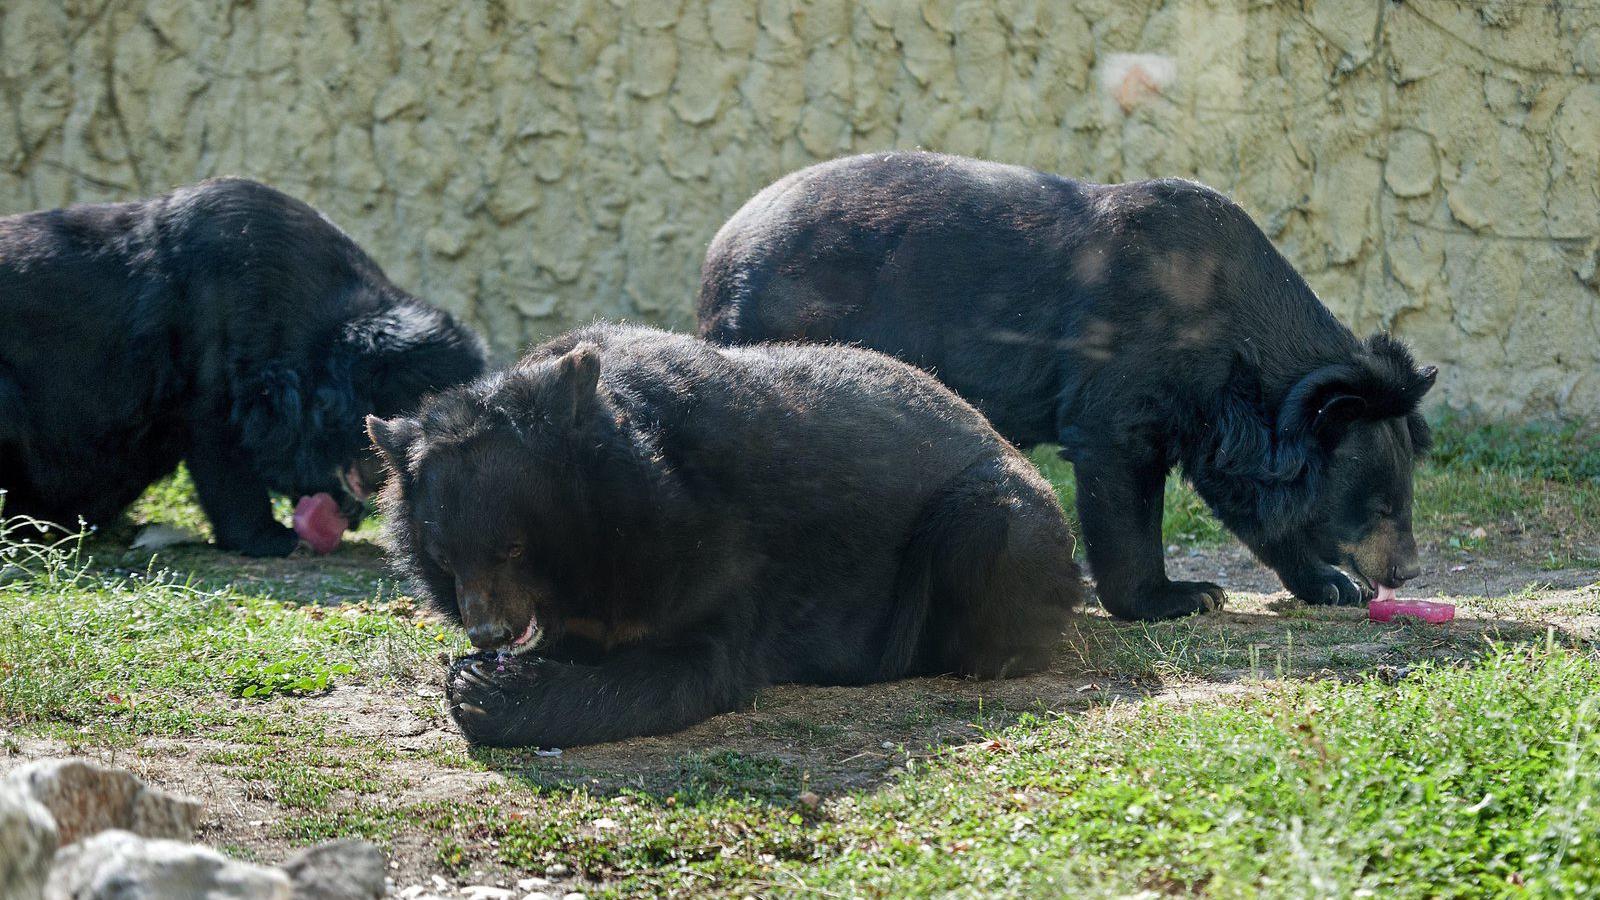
[
  {"x": 648, "y": 529},
  {"x": 225, "y": 325},
  {"x": 1140, "y": 325}
]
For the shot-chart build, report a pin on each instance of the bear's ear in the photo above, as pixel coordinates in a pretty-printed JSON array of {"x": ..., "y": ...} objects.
[
  {"x": 542, "y": 391},
  {"x": 1400, "y": 385},
  {"x": 400, "y": 355},
  {"x": 395, "y": 439},
  {"x": 1382, "y": 383},
  {"x": 572, "y": 394}
]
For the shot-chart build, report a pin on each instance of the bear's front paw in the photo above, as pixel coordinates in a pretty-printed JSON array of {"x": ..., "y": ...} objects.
[
  {"x": 1328, "y": 586},
  {"x": 276, "y": 541},
  {"x": 483, "y": 692},
  {"x": 1183, "y": 598},
  {"x": 1168, "y": 600}
]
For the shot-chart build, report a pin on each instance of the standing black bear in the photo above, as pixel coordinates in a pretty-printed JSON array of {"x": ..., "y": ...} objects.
[
  {"x": 225, "y": 325},
  {"x": 670, "y": 526},
  {"x": 1140, "y": 325}
]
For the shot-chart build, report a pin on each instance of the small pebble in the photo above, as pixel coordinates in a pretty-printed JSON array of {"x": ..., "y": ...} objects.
[
  {"x": 1391, "y": 674},
  {"x": 532, "y": 883},
  {"x": 559, "y": 870}
]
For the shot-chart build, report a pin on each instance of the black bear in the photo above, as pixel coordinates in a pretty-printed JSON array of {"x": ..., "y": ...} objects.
[
  {"x": 225, "y": 325},
  {"x": 1141, "y": 326},
  {"x": 640, "y": 530}
]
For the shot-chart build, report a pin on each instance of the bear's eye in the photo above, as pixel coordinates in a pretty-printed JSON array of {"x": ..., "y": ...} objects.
[{"x": 514, "y": 550}]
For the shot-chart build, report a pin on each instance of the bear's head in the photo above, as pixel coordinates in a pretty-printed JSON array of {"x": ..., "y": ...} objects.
[
  {"x": 1327, "y": 475},
  {"x": 300, "y": 416},
  {"x": 514, "y": 500}
]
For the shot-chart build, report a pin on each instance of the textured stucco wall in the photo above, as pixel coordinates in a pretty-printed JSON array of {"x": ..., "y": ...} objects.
[{"x": 1432, "y": 165}]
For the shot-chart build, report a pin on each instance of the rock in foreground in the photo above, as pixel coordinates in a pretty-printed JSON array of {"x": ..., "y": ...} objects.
[{"x": 120, "y": 865}]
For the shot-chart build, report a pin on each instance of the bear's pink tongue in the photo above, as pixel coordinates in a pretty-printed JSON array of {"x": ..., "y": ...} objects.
[
  {"x": 1385, "y": 593},
  {"x": 318, "y": 522}
]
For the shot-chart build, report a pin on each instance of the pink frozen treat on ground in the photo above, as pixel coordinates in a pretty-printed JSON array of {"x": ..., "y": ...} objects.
[
  {"x": 318, "y": 522},
  {"x": 1386, "y": 607}
]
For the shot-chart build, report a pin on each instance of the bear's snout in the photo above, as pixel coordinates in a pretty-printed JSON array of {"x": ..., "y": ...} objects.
[
  {"x": 489, "y": 635},
  {"x": 485, "y": 629},
  {"x": 1403, "y": 570}
]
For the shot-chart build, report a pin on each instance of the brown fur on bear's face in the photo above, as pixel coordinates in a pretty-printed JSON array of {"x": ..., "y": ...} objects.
[
  {"x": 1370, "y": 494},
  {"x": 499, "y": 513},
  {"x": 487, "y": 515}
]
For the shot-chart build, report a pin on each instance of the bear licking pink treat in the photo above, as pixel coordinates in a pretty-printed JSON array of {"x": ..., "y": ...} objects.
[
  {"x": 1387, "y": 607},
  {"x": 317, "y": 517},
  {"x": 318, "y": 522}
]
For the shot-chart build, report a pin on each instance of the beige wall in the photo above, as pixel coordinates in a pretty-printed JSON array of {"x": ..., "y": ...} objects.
[{"x": 1430, "y": 165}]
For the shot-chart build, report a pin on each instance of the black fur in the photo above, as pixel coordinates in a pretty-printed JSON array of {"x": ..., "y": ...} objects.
[
  {"x": 1141, "y": 326},
  {"x": 226, "y": 325},
  {"x": 686, "y": 524}
]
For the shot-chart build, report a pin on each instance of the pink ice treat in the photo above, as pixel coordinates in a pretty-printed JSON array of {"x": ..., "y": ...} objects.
[
  {"x": 1387, "y": 606},
  {"x": 318, "y": 522}
]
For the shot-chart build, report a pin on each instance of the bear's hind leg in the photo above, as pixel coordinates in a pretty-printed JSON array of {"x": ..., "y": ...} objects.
[{"x": 988, "y": 581}]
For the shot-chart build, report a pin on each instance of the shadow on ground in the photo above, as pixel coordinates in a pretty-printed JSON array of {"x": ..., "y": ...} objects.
[
  {"x": 353, "y": 573},
  {"x": 794, "y": 739}
]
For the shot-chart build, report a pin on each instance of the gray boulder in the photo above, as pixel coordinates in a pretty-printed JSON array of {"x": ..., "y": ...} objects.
[
  {"x": 120, "y": 865},
  {"x": 85, "y": 797},
  {"x": 338, "y": 870},
  {"x": 27, "y": 844}
]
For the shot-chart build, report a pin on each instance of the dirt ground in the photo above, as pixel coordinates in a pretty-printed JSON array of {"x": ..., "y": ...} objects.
[{"x": 844, "y": 739}]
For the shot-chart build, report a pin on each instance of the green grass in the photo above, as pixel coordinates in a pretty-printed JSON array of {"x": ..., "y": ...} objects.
[
  {"x": 171, "y": 501},
  {"x": 1567, "y": 454},
  {"x": 141, "y": 652},
  {"x": 1471, "y": 781},
  {"x": 1457, "y": 781}
]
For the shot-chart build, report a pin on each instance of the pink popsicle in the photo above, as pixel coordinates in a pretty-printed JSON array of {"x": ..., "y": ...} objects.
[
  {"x": 1386, "y": 607},
  {"x": 318, "y": 522}
]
